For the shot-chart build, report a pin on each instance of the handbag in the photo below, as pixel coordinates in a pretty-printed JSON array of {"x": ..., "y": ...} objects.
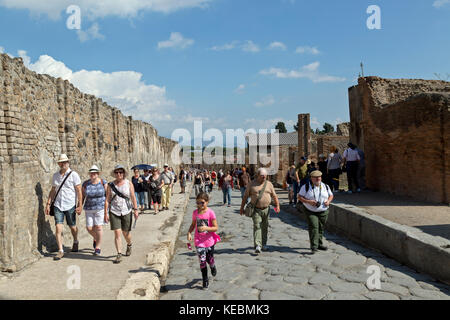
[
  {"x": 117, "y": 192},
  {"x": 52, "y": 206},
  {"x": 249, "y": 209}
]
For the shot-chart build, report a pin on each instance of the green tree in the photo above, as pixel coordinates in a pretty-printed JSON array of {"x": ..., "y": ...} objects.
[
  {"x": 281, "y": 127},
  {"x": 327, "y": 128}
]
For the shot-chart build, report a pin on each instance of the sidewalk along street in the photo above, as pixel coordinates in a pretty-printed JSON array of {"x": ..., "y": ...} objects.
[
  {"x": 287, "y": 271},
  {"x": 99, "y": 277}
]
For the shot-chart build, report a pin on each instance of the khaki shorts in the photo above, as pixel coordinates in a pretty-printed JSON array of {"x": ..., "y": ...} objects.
[{"x": 121, "y": 222}]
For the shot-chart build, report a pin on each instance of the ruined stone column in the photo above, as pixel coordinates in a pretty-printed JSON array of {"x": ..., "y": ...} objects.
[{"x": 304, "y": 135}]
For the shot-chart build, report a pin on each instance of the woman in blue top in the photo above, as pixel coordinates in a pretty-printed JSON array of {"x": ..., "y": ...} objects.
[{"x": 93, "y": 191}]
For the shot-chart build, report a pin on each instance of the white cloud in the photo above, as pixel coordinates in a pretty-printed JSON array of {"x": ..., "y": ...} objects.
[
  {"x": 269, "y": 123},
  {"x": 249, "y": 46},
  {"x": 267, "y": 101},
  {"x": 240, "y": 89},
  {"x": 92, "y": 33},
  {"x": 440, "y": 3},
  {"x": 308, "y": 50},
  {"x": 277, "y": 45},
  {"x": 103, "y": 8},
  {"x": 310, "y": 71},
  {"x": 225, "y": 47},
  {"x": 123, "y": 89},
  {"x": 176, "y": 41}
]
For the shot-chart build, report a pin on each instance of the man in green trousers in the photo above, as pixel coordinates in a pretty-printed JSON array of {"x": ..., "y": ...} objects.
[
  {"x": 316, "y": 198},
  {"x": 261, "y": 213}
]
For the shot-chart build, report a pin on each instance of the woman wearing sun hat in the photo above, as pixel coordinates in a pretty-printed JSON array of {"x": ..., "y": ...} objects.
[
  {"x": 119, "y": 205},
  {"x": 94, "y": 192}
]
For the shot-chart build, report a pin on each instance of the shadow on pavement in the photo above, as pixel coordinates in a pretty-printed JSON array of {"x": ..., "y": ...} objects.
[{"x": 175, "y": 287}]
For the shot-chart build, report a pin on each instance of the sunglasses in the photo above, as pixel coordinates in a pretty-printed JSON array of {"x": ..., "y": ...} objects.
[{"x": 201, "y": 202}]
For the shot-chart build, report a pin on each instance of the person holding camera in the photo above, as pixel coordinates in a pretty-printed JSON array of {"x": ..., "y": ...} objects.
[{"x": 316, "y": 197}]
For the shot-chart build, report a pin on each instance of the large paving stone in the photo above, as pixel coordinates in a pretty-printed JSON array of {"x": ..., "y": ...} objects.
[
  {"x": 242, "y": 294},
  {"x": 406, "y": 282},
  {"x": 348, "y": 287},
  {"x": 306, "y": 292},
  {"x": 171, "y": 296},
  {"x": 296, "y": 280},
  {"x": 271, "y": 295},
  {"x": 200, "y": 294},
  {"x": 349, "y": 260},
  {"x": 323, "y": 278},
  {"x": 394, "y": 288},
  {"x": 377, "y": 295},
  {"x": 323, "y": 258},
  {"x": 271, "y": 286},
  {"x": 429, "y": 294},
  {"x": 344, "y": 296}
]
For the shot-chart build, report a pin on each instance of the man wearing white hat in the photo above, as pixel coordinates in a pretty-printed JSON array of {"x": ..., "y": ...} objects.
[
  {"x": 67, "y": 202},
  {"x": 316, "y": 198}
]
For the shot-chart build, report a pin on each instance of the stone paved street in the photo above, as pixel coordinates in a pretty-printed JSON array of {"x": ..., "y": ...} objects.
[{"x": 288, "y": 270}]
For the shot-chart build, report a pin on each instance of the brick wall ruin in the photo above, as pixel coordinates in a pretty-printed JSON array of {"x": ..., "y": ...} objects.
[
  {"x": 403, "y": 126},
  {"x": 41, "y": 117}
]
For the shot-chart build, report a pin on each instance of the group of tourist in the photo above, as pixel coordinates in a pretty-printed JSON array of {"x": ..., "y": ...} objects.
[
  {"x": 120, "y": 200},
  {"x": 351, "y": 161},
  {"x": 116, "y": 202}
]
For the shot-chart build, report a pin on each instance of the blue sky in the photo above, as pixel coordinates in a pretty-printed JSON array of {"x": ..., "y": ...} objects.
[{"x": 230, "y": 63}]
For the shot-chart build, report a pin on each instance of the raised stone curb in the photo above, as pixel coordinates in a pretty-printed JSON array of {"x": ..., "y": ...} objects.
[
  {"x": 146, "y": 283},
  {"x": 408, "y": 245}
]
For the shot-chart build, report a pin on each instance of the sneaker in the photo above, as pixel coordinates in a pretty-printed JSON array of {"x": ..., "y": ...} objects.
[
  {"x": 213, "y": 271},
  {"x": 118, "y": 258},
  {"x": 323, "y": 248},
  {"x": 205, "y": 284},
  {"x": 75, "y": 247},
  {"x": 128, "y": 253},
  {"x": 313, "y": 250},
  {"x": 358, "y": 190},
  {"x": 58, "y": 256},
  {"x": 97, "y": 252},
  {"x": 258, "y": 250},
  {"x": 229, "y": 205},
  {"x": 349, "y": 192}
]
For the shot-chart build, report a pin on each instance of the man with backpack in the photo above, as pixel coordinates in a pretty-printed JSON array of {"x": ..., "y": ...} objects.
[{"x": 316, "y": 197}]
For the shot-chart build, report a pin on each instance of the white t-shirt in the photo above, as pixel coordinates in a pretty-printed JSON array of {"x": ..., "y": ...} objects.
[
  {"x": 67, "y": 196},
  {"x": 320, "y": 194},
  {"x": 351, "y": 155}
]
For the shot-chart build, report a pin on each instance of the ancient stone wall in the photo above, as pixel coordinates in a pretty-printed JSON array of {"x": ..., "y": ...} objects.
[
  {"x": 403, "y": 126},
  {"x": 40, "y": 118}
]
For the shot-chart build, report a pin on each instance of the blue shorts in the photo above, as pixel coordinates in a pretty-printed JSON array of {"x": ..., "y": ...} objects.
[{"x": 71, "y": 217}]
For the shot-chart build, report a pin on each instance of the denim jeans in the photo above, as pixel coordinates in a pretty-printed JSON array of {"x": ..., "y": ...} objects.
[
  {"x": 227, "y": 194},
  {"x": 296, "y": 191}
]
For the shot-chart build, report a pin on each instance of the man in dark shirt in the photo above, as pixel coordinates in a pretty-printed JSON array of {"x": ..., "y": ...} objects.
[{"x": 243, "y": 181}]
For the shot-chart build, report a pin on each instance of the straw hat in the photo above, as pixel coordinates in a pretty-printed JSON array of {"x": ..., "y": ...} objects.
[
  {"x": 63, "y": 158},
  {"x": 94, "y": 169},
  {"x": 119, "y": 166}
]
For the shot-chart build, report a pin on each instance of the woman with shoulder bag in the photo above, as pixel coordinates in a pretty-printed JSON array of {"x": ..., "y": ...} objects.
[
  {"x": 94, "y": 195},
  {"x": 119, "y": 205}
]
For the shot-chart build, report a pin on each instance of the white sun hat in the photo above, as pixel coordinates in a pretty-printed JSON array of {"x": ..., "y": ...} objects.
[
  {"x": 63, "y": 158},
  {"x": 94, "y": 169}
]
